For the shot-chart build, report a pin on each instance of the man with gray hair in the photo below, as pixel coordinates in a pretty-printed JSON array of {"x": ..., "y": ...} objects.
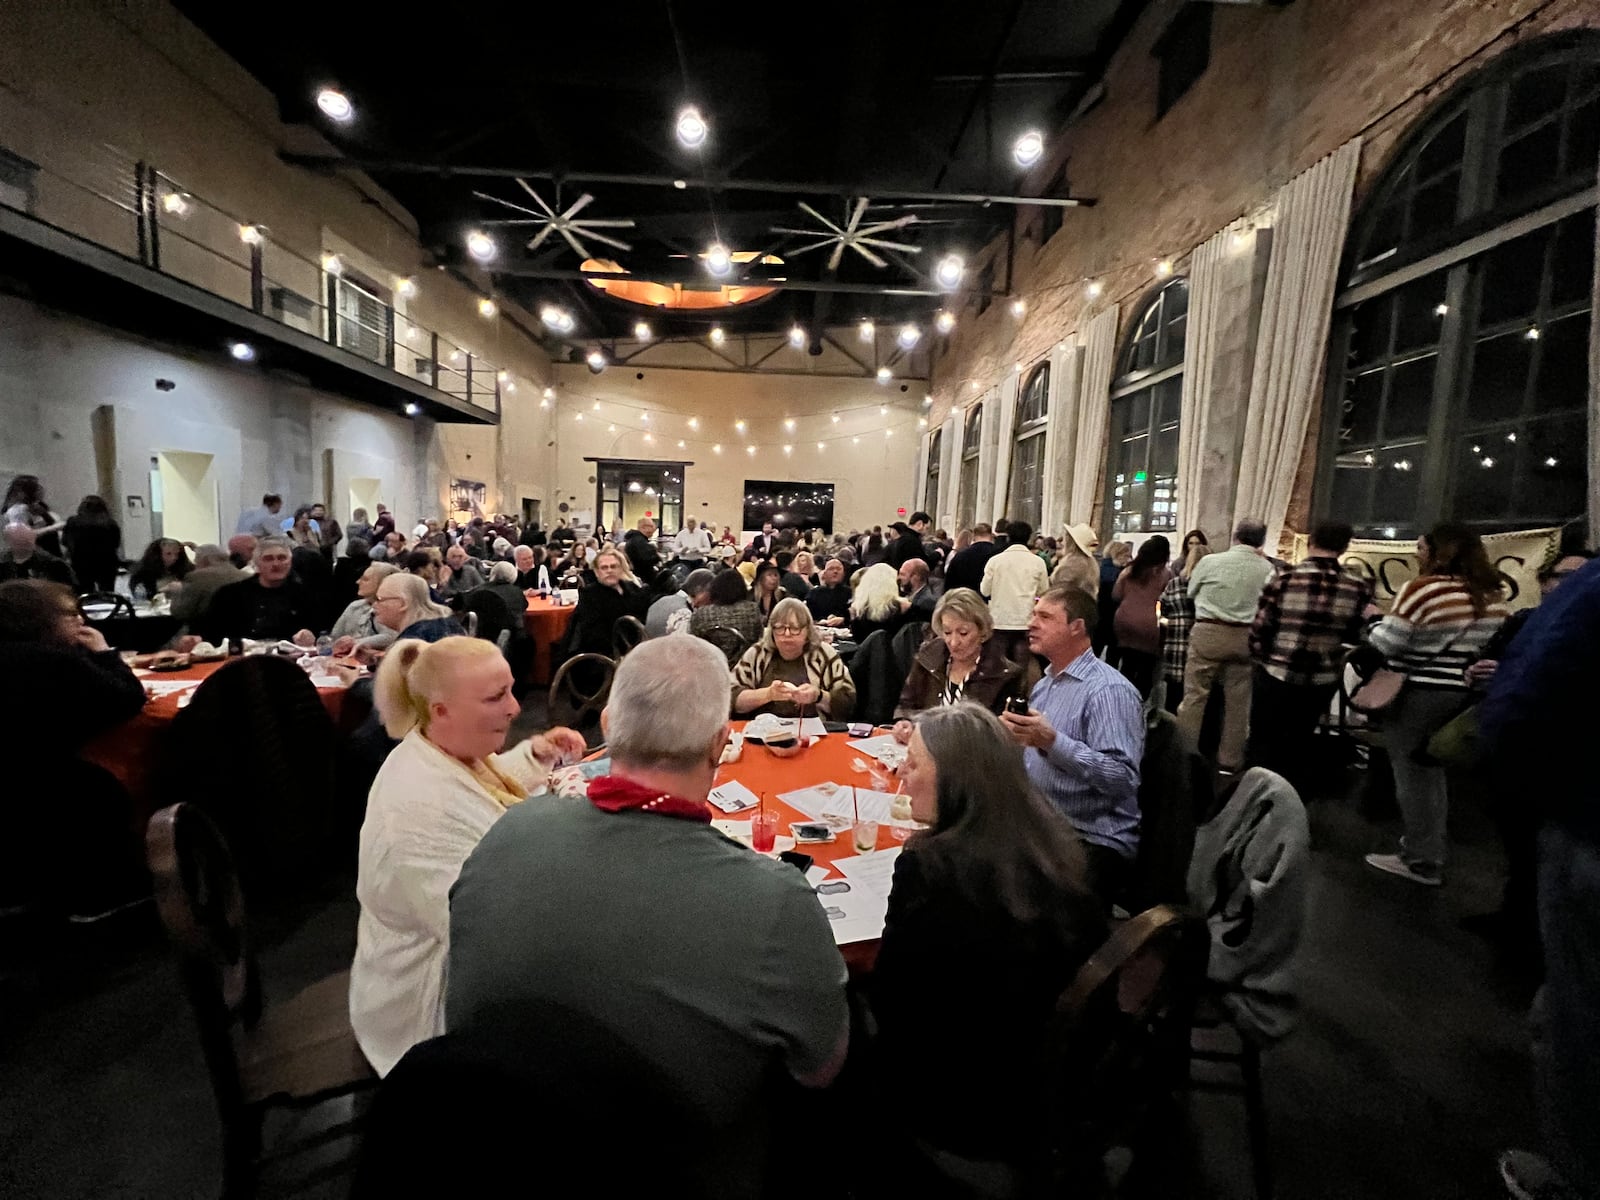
[
  {"x": 213, "y": 569},
  {"x": 626, "y": 909},
  {"x": 270, "y": 606},
  {"x": 670, "y": 614}
]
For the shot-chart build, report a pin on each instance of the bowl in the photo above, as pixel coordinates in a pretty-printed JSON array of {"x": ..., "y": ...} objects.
[{"x": 786, "y": 751}]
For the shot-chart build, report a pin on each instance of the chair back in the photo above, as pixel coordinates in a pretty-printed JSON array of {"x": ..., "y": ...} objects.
[
  {"x": 201, "y": 904},
  {"x": 903, "y": 648},
  {"x": 729, "y": 640},
  {"x": 580, "y": 690},
  {"x": 120, "y": 605},
  {"x": 493, "y": 614},
  {"x": 469, "y": 622},
  {"x": 255, "y": 748},
  {"x": 626, "y": 633},
  {"x": 1168, "y": 810},
  {"x": 877, "y": 678}
]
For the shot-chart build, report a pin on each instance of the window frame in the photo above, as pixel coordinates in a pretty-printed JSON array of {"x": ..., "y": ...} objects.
[
  {"x": 972, "y": 422},
  {"x": 1164, "y": 372},
  {"x": 930, "y": 475},
  {"x": 1029, "y": 432}
]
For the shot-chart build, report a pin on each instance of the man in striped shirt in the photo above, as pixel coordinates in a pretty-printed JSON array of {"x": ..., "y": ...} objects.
[
  {"x": 1084, "y": 737},
  {"x": 1306, "y": 617}
]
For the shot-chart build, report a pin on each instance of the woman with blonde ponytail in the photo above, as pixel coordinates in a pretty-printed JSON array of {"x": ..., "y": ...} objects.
[{"x": 450, "y": 704}]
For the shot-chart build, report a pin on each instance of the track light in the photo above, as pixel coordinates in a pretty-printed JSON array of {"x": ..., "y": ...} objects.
[
  {"x": 335, "y": 105},
  {"x": 950, "y": 270},
  {"x": 692, "y": 128},
  {"x": 718, "y": 258},
  {"x": 242, "y": 351},
  {"x": 908, "y": 336},
  {"x": 486, "y": 308},
  {"x": 945, "y": 321},
  {"x": 480, "y": 245},
  {"x": 1029, "y": 148}
]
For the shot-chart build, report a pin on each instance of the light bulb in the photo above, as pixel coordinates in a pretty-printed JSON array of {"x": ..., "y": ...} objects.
[
  {"x": 596, "y": 360},
  {"x": 549, "y": 393},
  {"x": 717, "y": 336},
  {"x": 694, "y": 422},
  {"x": 335, "y": 105},
  {"x": 1442, "y": 310},
  {"x": 868, "y": 331},
  {"x": 788, "y": 449},
  {"x": 405, "y": 288},
  {"x": 486, "y": 308},
  {"x": 175, "y": 203},
  {"x": 950, "y": 270},
  {"x": 1019, "y": 307},
  {"x": 1093, "y": 290},
  {"x": 480, "y": 245},
  {"x": 797, "y": 336},
  {"x": 577, "y": 416},
  {"x": 885, "y": 375},
  {"x": 503, "y": 376},
  {"x": 412, "y": 409},
  {"x": 855, "y": 441},
  {"x": 717, "y": 449},
  {"x": 922, "y": 422},
  {"x": 1164, "y": 268},
  {"x": 883, "y": 410},
  {"x": 510, "y": 386},
  {"x": 1029, "y": 148},
  {"x": 718, "y": 259},
  {"x": 908, "y": 336},
  {"x": 1533, "y": 334},
  {"x": 680, "y": 443},
  {"x": 835, "y": 418},
  {"x": 331, "y": 264},
  {"x": 739, "y": 425},
  {"x": 243, "y": 351},
  {"x": 645, "y": 417},
  {"x": 927, "y": 402},
  {"x": 788, "y": 423},
  {"x": 250, "y": 235},
  {"x": 819, "y": 445},
  {"x": 641, "y": 332},
  {"x": 750, "y": 450},
  {"x": 945, "y": 321},
  {"x": 692, "y": 128},
  {"x": 611, "y": 428},
  {"x": 597, "y": 406}
]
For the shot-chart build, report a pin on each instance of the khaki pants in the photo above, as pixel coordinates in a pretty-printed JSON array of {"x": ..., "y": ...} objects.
[{"x": 1219, "y": 654}]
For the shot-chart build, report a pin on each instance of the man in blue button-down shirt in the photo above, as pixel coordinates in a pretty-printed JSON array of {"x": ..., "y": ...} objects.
[{"x": 1084, "y": 735}]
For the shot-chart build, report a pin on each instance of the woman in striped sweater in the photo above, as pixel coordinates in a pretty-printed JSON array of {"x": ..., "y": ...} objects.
[{"x": 1438, "y": 625}]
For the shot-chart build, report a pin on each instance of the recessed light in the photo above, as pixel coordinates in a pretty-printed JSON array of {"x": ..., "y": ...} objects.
[
  {"x": 1029, "y": 148},
  {"x": 480, "y": 245},
  {"x": 243, "y": 351},
  {"x": 335, "y": 105}
]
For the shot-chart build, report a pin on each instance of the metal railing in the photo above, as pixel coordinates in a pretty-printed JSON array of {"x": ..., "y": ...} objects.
[{"x": 134, "y": 209}]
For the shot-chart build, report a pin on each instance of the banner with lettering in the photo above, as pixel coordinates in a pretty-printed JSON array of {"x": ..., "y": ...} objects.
[{"x": 1517, "y": 556}]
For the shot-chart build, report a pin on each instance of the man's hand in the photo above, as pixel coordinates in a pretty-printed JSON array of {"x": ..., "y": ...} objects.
[
  {"x": 343, "y": 646},
  {"x": 188, "y": 642},
  {"x": 558, "y": 746},
  {"x": 1032, "y": 730},
  {"x": 371, "y": 655},
  {"x": 92, "y": 640},
  {"x": 444, "y": 574},
  {"x": 305, "y": 638},
  {"x": 902, "y": 732},
  {"x": 836, "y": 622}
]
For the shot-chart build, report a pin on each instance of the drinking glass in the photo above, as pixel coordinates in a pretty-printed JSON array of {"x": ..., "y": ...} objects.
[
  {"x": 763, "y": 831},
  {"x": 879, "y": 776},
  {"x": 866, "y": 836}
]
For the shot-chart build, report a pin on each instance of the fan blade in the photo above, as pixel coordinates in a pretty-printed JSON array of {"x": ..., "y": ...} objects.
[
  {"x": 813, "y": 246},
  {"x": 578, "y": 206},
  {"x": 796, "y": 232},
  {"x": 855, "y": 217},
  {"x": 606, "y": 223},
  {"x": 883, "y": 245},
  {"x": 833, "y": 259},
  {"x": 608, "y": 239},
  {"x": 882, "y": 226},
  {"x": 869, "y": 256},
  {"x": 574, "y": 243},
  {"x": 538, "y": 199},
  {"x": 811, "y": 212},
  {"x": 539, "y": 237},
  {"x": 514, "y": 207}
]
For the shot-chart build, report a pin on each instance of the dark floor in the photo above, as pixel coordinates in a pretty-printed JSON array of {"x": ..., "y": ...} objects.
[{"x": 1408, "y": 1073}]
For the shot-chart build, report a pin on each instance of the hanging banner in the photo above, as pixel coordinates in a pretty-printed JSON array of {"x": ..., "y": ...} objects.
[{"x": 1389, "y": 565}]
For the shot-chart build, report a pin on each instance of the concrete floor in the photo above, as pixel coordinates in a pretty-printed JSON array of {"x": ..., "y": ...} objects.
[{"x": 1408, "y": 1073}]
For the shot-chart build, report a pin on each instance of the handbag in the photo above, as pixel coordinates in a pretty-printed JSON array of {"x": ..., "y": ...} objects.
[{"x": 1378, "y": 684}]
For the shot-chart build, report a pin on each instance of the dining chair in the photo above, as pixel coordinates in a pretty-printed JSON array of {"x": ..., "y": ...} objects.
[
  {"x": 121, "y": 606},
  {"x": 626, "y": 633},
  {"x": 729, "y": 640},
  {"x": 297, "y": 1053},
  {"x": 579, "y": 692}
]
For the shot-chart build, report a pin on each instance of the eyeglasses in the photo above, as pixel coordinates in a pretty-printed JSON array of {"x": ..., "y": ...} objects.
[{"x": 788, "y": 630}]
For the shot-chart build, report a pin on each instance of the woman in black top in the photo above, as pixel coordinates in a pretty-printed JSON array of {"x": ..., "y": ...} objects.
[
  {"x": 94, "y": 545},
  {"x": 164, "y": 563},
  {"x": 989, "y": 919},
  {"x": 766, "y": 592}
]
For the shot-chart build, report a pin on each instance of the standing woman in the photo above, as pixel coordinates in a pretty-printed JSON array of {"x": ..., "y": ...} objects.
[
  {"x": 1116, "y": 556},
  {"x": 1439, "y": 624},
  {"x": 1195, "y": 537},
  {"x": 94, "y": 544},
  {"x": 24, "y": 505},
  {"x": 1177, "y": 619},
  {"x": 1137, "y": 594}
]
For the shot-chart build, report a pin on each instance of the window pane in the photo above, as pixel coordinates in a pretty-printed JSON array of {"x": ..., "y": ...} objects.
[
  {"x": 1135, "y": 412},
  {"x": 1572, "y": 275},
  {"x": 1444, "y": 149},
  {"x": 1500, "y": 367},
  {"x": 1352, "y": 489},
  {"x": 1369, "y": 336},
  {"x": 1553, "y": 478},
  {"x": 1433, "y": 208},
  {"x": 1535, "y": 94},
  {"x": 1511, "y": 276},
  {"x": 1483, "y": 477},
  {"x": 1530, "y": 163},
  {"x": 1563, "y": 365},
  {"x": 1164, "y": 452},
  {"x": 1387, "y": 230},
  {"x": 1172, "y": 351},
  {"x": 1363, "y": 404},
  {"x": 1583, "y": 137},
  {"x": 1410, "y": 399},
  {"x": 1395, "y": 481},
  {"x": 1420, "y": 320}
]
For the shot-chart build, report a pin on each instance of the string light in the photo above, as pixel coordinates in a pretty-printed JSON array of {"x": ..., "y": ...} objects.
[
  {"x": 549, "y": 393},
  {"x": 717, "y": 336},
  {"x": 739, "y": 424},
  {"x": 486, "y": 308},
  {"x": 175, "y": 203},
  {"x": 945, "y": 321},
  {"x": 1093, "y": 290},
  {"x": 694, "y": 422},
  {"x": 641, "y": 332},
  {"x": 908, "y": 336},
  {"x": 788, "y": 423},
  {"x": 1164, "y": 268},
  {"x": 835, "y": 418},
  {"x": 750, "y": 450},
  {"x": 406, "y": 288},
  {"x": 885, "y": 375},
  {"x": 868, "y": 331},
  {"x": 1019, "y": 307},
  {"x": 717, "y": 449},
  {"x": 883, "y": 410},
  {"x": 331, "y": 264},
  {"x": 950, "y": 270},
  {"x": 819, "y": 445},
  {"x": 797, "y": 336},
  {"x": 788, "y": 449}
]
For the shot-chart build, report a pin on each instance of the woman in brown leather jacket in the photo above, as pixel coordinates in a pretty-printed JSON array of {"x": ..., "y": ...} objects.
[{"x": 961, "y": 660}]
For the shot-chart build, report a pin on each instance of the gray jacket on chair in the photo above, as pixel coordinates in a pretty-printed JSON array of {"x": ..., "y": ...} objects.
[{"x": 1248, "y": 878}]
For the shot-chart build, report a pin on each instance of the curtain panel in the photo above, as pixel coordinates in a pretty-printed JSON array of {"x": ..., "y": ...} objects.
[{"x": 1099, "y": 342}]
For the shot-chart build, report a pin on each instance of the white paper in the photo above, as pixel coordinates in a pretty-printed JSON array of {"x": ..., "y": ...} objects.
[
  {"x": 883, "y": 748},
  {"x": 867, "y": 805},
  {"x": 166, "y": 687},
  {"x": 768, "y": 725},
  {"x": 816, "y": 873},
  {"x": 733, "y": 797},
  {"x": 327, "y": 681},
  {"x": 739, "y": 831},
  {"x": 870, "y": 872},
  {"x": 813, "y": 800},
  {"x": 854, "y": 916}
]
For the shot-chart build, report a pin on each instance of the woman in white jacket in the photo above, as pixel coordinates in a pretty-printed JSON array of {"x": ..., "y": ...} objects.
[{"x": 437, "y": 794}]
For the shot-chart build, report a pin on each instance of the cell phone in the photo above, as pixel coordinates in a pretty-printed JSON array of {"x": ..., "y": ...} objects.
[
  {"x": 811, "y": 831},
  {"x": 1017, "y": 705},
  {"x": 801, "y": 862}
]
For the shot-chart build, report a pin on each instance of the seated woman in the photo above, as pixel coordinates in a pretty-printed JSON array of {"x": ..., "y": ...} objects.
[
  {"x": 729, "y": 607},
  {"x": 436, "y": 795},
  {"x": 401, "y": 603},
  {"x": 766, "y": 591},
  {"x": 358, "y": 625},
  {"x": 990, "y": 912},
  {"x": 876, "y": 604},
  {"x": 960, "y": 661},
  {"x": 613, "y": 594},
  {"x": 791, "y": 670},
  {"x": 162, "y": 568}
]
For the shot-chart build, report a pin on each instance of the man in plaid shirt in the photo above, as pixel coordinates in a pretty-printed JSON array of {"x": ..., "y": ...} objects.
[{"x": 1307, "y": 615}]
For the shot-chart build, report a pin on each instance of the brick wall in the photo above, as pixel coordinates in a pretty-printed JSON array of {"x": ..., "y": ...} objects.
[{"x": 1285, "y": 87}]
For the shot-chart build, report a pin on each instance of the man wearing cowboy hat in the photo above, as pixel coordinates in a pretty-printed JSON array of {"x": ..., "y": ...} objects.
[{"x": 1077, "y": 567}]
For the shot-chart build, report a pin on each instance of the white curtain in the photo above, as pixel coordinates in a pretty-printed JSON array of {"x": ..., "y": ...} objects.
[
  {"x": 1099, "y": 342},
  {"x": 1066, "y": 362},
  {"x": 1208, "y": 290},
  {"x": 1313, "y": 215}
]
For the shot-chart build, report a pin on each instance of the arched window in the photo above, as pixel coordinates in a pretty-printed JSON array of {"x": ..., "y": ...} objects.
[
  {"x": 930, "y": 483},
  {"x": 1458, "y": 369},
  {"x": 971, "y": 445},
  {"x": 1026, "y": 499},
  {"x": 1142, "y": 476}
]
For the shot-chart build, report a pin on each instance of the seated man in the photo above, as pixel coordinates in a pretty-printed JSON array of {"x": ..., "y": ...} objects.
[
  {"x": 458, "y": 576},
  {"x": 715, "y": 965},
  {"x": 242, "y": 551},
  {"x": 271, "y": 605},
  {"x": 22, "y": 559},
  {"x": 212, "y": 572},
  {"x": 829, "y": 602},
  {"x": 914, "y": 587},
  {"x": 1084, "y": 736},
  {"x": 670, "y": 614}
]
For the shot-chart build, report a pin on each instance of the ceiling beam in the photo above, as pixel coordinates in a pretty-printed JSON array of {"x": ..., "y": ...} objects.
[
  {"x": 384, "y": 166},
  {"x": 1005, "y": 78},
  {"x": 701, "y": 282}
]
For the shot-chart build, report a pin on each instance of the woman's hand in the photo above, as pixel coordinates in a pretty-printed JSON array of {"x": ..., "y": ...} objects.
[
  {"x": 91, "y": 639},
  {"x": 1481, "y": 672},
  {"x": 779, "y": 689},
  {"x": 559, "y": 746},
  {"x": 806, "y": 693},
  {"x": 902, "y": 732}
]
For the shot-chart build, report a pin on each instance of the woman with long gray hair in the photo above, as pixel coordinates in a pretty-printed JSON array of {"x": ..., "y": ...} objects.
[{"x": 989, "y": 919}]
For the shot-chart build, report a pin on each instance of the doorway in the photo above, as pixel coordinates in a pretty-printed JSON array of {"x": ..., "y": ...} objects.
[
  {"x": 626, "y": 491},
  {"x": 187, "y": 499},
  {"x": 364, "y": 493}
]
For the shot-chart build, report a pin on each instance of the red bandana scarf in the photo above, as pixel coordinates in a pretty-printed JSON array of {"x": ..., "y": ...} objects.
[{"x": 609, "y": 793}]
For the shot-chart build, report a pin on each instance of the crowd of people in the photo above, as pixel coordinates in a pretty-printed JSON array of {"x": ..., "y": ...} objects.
[{"x": 1038, "y": 666}]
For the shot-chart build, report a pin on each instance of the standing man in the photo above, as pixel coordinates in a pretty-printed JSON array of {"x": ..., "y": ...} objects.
[
  {"x": 1084, "y": 736},
  {"x": 262, "y": 521},
  {"x": 1306, "y": 617},
  {"x": 763, "y": 542},
  {"x": 965, "y": 568},
  {"x": 1013, "y": 580},
  {"x": 908, "y": 542},
  {"x": 693, "y": 544},
  {"x": 329, "y": 535},
  {"x": 1226, "y": 590},
  {"x": 639, "y": 544}
]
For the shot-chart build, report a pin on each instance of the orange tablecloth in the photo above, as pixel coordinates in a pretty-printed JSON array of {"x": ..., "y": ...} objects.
[
  {"x": 131, "y": 749},
  {"x": 546, "y": 622}
]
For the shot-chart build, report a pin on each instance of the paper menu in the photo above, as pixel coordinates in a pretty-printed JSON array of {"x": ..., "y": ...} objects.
[
  {"x": 156, "y": 688},
  {"x": 856, "y": 915},
  {"x": 883, "y": 748},
  {"x": 812, "y": 801},
  {"x": 838, "y": 804},
  {"x": 768, "y": 726},
  {"x": 870, "y": 872},
  {"x": 733, "y": 796}
]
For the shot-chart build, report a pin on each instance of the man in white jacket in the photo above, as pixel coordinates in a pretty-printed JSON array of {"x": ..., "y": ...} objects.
[{"x": 1012, "y": 581}]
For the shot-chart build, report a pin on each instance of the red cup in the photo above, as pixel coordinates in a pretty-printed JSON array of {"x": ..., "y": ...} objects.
[{"x": 763, "y": 831}]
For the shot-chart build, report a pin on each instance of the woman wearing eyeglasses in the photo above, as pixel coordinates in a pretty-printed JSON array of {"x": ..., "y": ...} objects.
[{"x": 791, "y": 669}]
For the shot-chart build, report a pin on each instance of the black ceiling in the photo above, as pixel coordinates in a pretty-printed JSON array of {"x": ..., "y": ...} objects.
[{"x": 839, "y": 99}]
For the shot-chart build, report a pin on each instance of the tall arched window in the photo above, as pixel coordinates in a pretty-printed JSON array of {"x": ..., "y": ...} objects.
[
  {"x": 971, "y": 445},
  {"x": 1142, "y": 476},
  {"x": 1458, "y": 370},
  {"x": 930, "y": 483},
  {"x": 1025, "y": 500}
]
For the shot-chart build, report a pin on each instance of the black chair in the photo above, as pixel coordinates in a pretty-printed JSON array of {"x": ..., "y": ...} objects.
[
  {"x": 907, "y": 641},
  {"x": 730, "y": 641},
  {"x": 121, "y": 606},
  {"x": 877, "y": 678},
  {"x": 1174, "y": 783},
  {"x": 626, "y": 633},
  {"x": 579, "y": 692},
  {"x": 296, "y": 1054}
]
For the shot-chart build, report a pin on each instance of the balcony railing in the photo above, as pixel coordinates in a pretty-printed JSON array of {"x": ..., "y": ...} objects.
[{"x": 135, "y": 209}]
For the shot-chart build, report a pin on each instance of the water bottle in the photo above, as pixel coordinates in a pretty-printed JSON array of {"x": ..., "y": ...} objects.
[{"x": 325, "y": 645}]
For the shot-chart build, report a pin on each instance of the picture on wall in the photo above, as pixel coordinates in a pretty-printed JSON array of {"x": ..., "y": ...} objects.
[
  {"x": 788, "y": 505},
  {"x": 467, "y": 499}
]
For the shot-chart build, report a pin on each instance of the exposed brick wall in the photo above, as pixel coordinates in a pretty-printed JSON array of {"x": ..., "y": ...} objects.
[{"x": 1285, "y": 87}]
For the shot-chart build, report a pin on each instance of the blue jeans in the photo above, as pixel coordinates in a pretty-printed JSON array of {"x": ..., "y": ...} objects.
[{"x": 1568, "y": 1054}]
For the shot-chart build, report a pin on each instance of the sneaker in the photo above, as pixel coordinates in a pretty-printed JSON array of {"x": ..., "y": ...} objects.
[
  {"x": 1529, "y": 1177},
  {"x": 1395, "y": 865}
]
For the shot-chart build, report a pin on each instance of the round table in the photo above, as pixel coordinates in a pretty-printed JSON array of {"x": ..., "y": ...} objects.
[
  {"x": 148, "y": 629},
  {"x": 546, "y": 622}
]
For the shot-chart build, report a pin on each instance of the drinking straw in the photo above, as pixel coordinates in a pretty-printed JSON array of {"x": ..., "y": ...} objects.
[{"x": 855, "y": 803}]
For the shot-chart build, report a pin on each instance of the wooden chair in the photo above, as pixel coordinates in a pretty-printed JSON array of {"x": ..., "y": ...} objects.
[
  {"x": 1216, "y": 1041},
  {"x": 296, "y": 1054},
  {"x": 626, "y": 633},
  {"x": 580, "y": 690},
  {"x": 729, "y": 640}
]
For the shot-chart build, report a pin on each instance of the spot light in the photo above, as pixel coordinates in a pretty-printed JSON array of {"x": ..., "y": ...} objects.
[
  {"x": 950, "y": 270},
  {"x": 868, "y": 331},
  {"x": 1442, "y": 310},
  {"x": 1164, "y": 268},
  {"x": 480, "y": 245},
  {"x": 405, "y": 288},
  {"x": 335, "y": 105},
  {"x": 718, "y": 258},
  {"x": 1094, "y": 289},
  {"x": 549, "y": 393},
  {"x": 788, "y": 423},
  {"x": 908, "y": 336},
  {"x": 250, "y": 235},
  {"x": 717, "y": 335},
  {"x": 885, "y": 375},
  {"x": 412, "y": 409},
  {"x": 242, "y": 351},
  {"x": 1029, "y": 148},
  {"x": 331, "y": 264},
  {"x": 641, "y": 332},
  {"x": 596, "y": 359},
  {"x": 692, "y": 128},
  {"x": 797, "y": 336},
  {"x": 945, "y": 321},
  {"x": 739, "y": 424},
  {"x": 486, "y": 308},
  {"x": 1018, "y": 308}
]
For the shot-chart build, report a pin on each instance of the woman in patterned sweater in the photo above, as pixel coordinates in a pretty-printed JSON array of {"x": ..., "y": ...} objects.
[
  {"x": 1177, "y": 619},
  {"x": 1439, "y": 625},
  {"x": 791, "y": 671}
]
